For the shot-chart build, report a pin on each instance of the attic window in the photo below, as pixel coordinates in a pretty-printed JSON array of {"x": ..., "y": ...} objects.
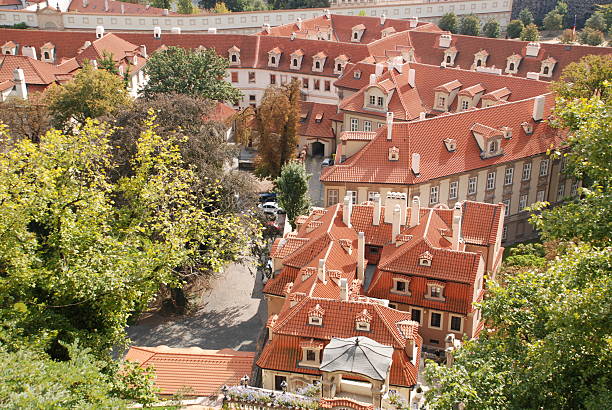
[
  {"x": 294, "y": 62},
  {"x": 527, "y": 127},
  {"x": 435, "y": 290},
  {"x": 315, "y": 315},
  {"x": 272, "y": 60},
  {"x": 365, "y": 327},
  {"x": 507, "y": 132},
  {"x": 317, "y": 65},
  {"x": 357, "y": 74},
  {"x": 355, "y": 35},
  {"x": 451, "y": 144},
  {"x": 319, "y": 117},
  {"x": 493, "y": 147},
  {"x": 362, "y": 321},
  {"x": 425, "y": 259},
  {"x": 46, "y": 55},
  {"x": 394, "y": 154},
  {"x": 234, "y": 58},
  {"x": 303, "y": 117},
  {"x": 312, "y": 320},
  {"x": 448, "y": 59}
]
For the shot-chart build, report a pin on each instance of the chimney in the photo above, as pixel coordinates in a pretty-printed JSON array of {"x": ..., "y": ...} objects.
[
  {"x": 411, "y": 77},
  {"x": 532, "y": 75},
  {"x": 393, "y": 199},
  {"x": 372, "y": 79},
  {"x": 327, "y": 13},
  {"x": 457, "y": 214},
  {"x": 105, "y": 5},
  {"x": 175, "y": 30},
  {"x": 29, "y": 52},
  {"x": 298, "y": 23},
  {"x": 94, "y": 64},
  {"x": 212, "y": 30},
  {"x": 398, "y": 62},
  {"x": 445, "y": 41},
  {"x": 413, "y": 21},
  {"x": 85, "y": 3},
  {"x": 415, "y": 209},
  {"x": 99, "y": 31},
  {"x": 533, "y": 49},
  {"x": 165, "y": 12},
  {"x": 416, "y": 163},
  {"x": 21, "y": 90},
  {"x": 538, "y": 108},
  {"x": 348, "y": 208},
  {"x": 377, "y": 208},
  {"x": 361, "y": 257},
  {"x": 122, "y": 8},
  {"x": 383, "y": 18},
  {"x": 379, "y": 69},
  {"x": 397, "y": 211},
  {"x": 389, "y": 125},
  {"x": 422, "y": 115},
  {"x": 143, "y": 51},
  {"x": 344, "y": 294},
  {"x": 321, "y": 271},
  {"x": 266, "y": 28},
  {"x": 157, "y": 32}
]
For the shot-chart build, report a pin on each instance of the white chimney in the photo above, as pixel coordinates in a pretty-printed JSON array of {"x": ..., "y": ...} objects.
[
  {"x": 122, "y": 8},
  {"x": 389, "y": 125},
  {"x": 377, "y": 208},
  {"x": 361, "y": 257},
  {"x": 157, "y": 32},
  {"x": 379, "y": 69},
  {"x": 292, "y": 36},
  {"x": 398, "y": 62},
  {"x": 415, "y": 209},
  {"x": 396, "y": 223},
  {"x": 21, "y": 90},
  {"x": 298, "y": 23},
  {"x": 383, "y": 18},
  {"x": 532, "y": 75},
  {"x": 411, "y": 77},
  {"x": 344, "y": 295},
  {"x": 321, "y": 271},
  {"x": 348, "y": 209},
  {"x": 175, "y": 30},
  {"x": 105, "y": 5},
  {"x": 327, "y": 13},
  {"x": 445, "y": 40},
  {"x": 422, "y": 115},
  {"x": 143, "y": 51},
  {"x": 372, "y": 79},
  {"x": 533, "y": 49},
  {"x": 29, "y": 52},
  {"x": 212, "y": 30},
  {"x": 85, "y": 3},
  {"x": 413, "y": 21},
  {"x": 165, "y": 12},
  {"x": 416, "y": 163},
  {"x": 396, "y": 198},
  {"x": 457, "y": 214},
  {"x": 538, "y": 108},
  {"x": 266, "y": 28},
  {"x": 94, "y": 64},
  {"x": 99, "y": 31}
]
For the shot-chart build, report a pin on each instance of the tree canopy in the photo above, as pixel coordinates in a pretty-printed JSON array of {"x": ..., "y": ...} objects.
[
  {"x": 191, "y": 72},
  {"x": 526, "y": 16},
  {"x": 469, "y": 25},
  {"x": 530, "y": 33},
  {"x": 514, "y": 28},
  {"x": 292, "y": 188},
  {"x": 449, "y": 22},
  {"x": 491, "y": 28}
]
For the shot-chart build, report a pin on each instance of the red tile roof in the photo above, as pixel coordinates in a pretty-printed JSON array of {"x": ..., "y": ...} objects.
[
  {"x": 317, "y": 119},
  {"x": 114, "y": 7},
  {"x": 204, "y": 371},
  {"x": 221, "y": 113},
  {"x": 36, "y": 72}
]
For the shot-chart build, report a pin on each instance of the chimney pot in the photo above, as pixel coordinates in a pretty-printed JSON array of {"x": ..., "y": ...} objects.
[
  {"x": 389, "y": 126},
  {"x": 361, "y": 257},
  {"x": 538, "y": 108}
]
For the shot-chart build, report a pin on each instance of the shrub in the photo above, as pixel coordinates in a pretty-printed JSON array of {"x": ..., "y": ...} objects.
[
  {"x": 591, "y": 37},
  {"x": 530, "y": 33},
  {"x": 553, "y": 21},
  {"x": 514, "y": 28}
]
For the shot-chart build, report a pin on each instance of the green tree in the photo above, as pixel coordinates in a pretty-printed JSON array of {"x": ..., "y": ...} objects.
[
  {"x": 185, "y": 7},
  {"x": 591, "y": 37},
  {"x": 90, "y": 94},
  {"x": 568, "y": 36},
  {"x": 221, "y": 8},
  {"x": 292, "y": 189},
  {"x": 491, "y": 28},
  {"x": 449, "y": 22},
  {"x": 526, "y": 17},
  {"x": 277, "y": 122},
  {"x": 162, "y": 4},
  {"x": 553, "y": 21},
  {"x": 362, "y": 13},
  {"x": 469, "y": 25},
  {"x": 514, "y": 28},
  {"x": 562, "y": 8},
  {"x": 26, "y": 118},
  {"x": 597, "y": 21},
  {"x": 584, "y": 78},
  {"x": 107, "y": 62},
  {"x": 530, "y": 33},
  {"x": 606, "y": 11},
  {"x": 251, "y": 5},
  {"x": 190, "y": 72}
]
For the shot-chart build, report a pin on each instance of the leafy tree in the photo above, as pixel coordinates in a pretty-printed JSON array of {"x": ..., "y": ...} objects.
[
  {"x": 243, "y": 122},
  {"x": 449, "y": 22},
  {"x": 292, "y": 188},
  {"x": 491, "y": 29},
  {"x": 568, "y": 36},
  {"x": 562, "y": 8},
  {"x": 251, "y": 5},
  {"x": 221, "y": 8},
  {"x": 591, "y": 37},
  {"x": 162, "y": 4},
  {"x": 362, "y": 13},
  {"x": 277, "y": 122},
  {"x": 514, "y": 29},
  {"x": 597, "y": 21},
  {"x": 26, "y": 118},
  {"x": 185, "y": 7},
  {"x": 90, "y": 94},
  {"x": 469, "y": 25},
  {"x": 585, "y": 78},
  {"x": 526, "y": 17},
  {"x": 107, "y": 62},
  {"x": 299, "y": 4},
  {"x": 530, "y": 33},
  {"x": 606, "y": 11},
  {"x": 190, "y": 72},
  {"x": 553, "y": 21}
]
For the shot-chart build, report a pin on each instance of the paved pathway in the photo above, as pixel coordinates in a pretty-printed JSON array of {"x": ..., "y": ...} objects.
[
  {"x": 232, "y": 316},
  {"x": 315, "y": 188}
]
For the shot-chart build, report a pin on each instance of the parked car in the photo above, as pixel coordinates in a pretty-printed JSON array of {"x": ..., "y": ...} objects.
[
  {"x": 267, "y": 197},
  {"x": 327, "y": 162},
  {"x": 271, "y": 208}
]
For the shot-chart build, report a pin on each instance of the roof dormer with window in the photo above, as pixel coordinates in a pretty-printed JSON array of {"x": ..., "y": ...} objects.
[
  {"x": 315, "y": 315},
  {"x": 296, "y": 59},
  {"x": 9, "y": 48},
  {"x": 394, "y": 154},
  {"x": 375, "y": 98},
  {"x": 512, "y": 63},
  {"x": 387, "y": 32},
  {"x": 311, "y": 353},
  {"x": 340, "y": 63},
  {"x": 363, "y": 320},
  {"x": 489, "y": 140},
  {"x": 451, "y": 144},
  {"x": 318, "y": 61},
  {"x": 445, "y": 94},
  {"x": 234, "y": 55},
  {"x": 435, "y": 291},
  {"x": 357, "y": 32},
  {"x": 274, "y": 56},
  {"x": 47, "y": 53},
  {"x": 357, "y": 74},
  {"x": 449, "y": 57},
  {"x": 469, "y": 97},
  {"x": 480, "y": 59},
  {"x": 425, "y": 259},
  {"x": 547, "y": 67}
]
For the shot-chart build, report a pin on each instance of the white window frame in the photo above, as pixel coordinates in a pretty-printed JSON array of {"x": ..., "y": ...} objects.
[
  {"x": 431, "y": 313},
  {"x": 540, "y": 196},
  {"x": 332, "y": 193},
  {"x": 472, "y": 185},
  {"x": 522, "y": 202},
  {"x": 429, "y": 296},
  {"x": 354, "y": 124},
  {"x": 491, "y": 180},
  {"x": 506, "y": 202},
  {"x": 453, "y": 189},
  {"x": 561, "y": 190},
  {"x": 450, "y": 321},
  {"x": 310, "y": 363},
  {"x": 371, "y": 195},
  {"x": 544, "y": 167},
  {"x": 526, "y": 171},
  {"x": 434, "y": 195},
  {"x": 367, "y": 125},
  {"x": 315, "y": 321},
  {"x": 353, "y": 197},
  {"x": 504, "y": 233},
  {"x": 362, "y": 326},
  {"x": 509, "y": 176}
]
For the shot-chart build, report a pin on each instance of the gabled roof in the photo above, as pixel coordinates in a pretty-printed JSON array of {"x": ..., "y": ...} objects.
[
  {"x": 36, "y": 72},
  {"x": 317, "y": 119}
]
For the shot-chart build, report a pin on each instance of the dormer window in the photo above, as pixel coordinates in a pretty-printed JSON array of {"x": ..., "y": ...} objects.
[
  {"x": 480, "y": 58},
  {"x": 442, "y": 101},
  {"x": 315, "y": 315},
  {"x": 547, "y": 67},
  {"x": 493, "y": 147},
  {"x": 9, "y": 48},
  {"x": 512, "y": 63},
  {"x": 435, "y": 290},
  {"x": 449, "y": 56},
  {"x": 451, "y": 144},
  {"x": 425, "y": 259},
  {"x": 274, "y": 57},
  {"x": 394, "y": 154},
  {"x": 318, "y": 61},
  {"x": 362, "y": 321},
  {"x": 357, "y": 32},
  {"x": 234, "y": 55},
  {"x": 273, "y": 60},
  {"x": 48, "y": 52},
  {"x": 340, "y": 63},
  {"x": 296, "y": 59},
  {"x": 507, "y": 131},
  {"x": 357, "y": 74},
  {"x": 527, "y": 127},
  {"x": 311, "y": 353},
  {"x": 448, "y": 60}
]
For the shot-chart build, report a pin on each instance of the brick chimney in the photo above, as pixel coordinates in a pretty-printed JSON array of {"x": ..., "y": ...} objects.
[
  {"x": 377, "y": 210},
  {"x": 415, "y": 209},
  {"x": 361, "y": 257}
]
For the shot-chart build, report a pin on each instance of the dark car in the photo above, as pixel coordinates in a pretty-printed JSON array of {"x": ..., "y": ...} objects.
[
  {"x": 327, "y": 162},
  {"x": 267, "y": 197}
]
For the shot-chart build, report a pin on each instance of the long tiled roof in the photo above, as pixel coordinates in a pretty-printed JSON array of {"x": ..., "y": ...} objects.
[
  {"x": 316, "y": 120},
  {"x": 36, "y": 72}
]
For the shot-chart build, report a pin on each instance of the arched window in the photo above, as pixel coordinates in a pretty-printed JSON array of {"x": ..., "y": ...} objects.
[
  {"x": 273, "y": 60},
  {"x": 546, "y": 69},
  {"x": 493, "y": 146},
  {"x": 355, "y": 35},
  {"x": 478, "y": 63},
  {"x": 511, "y": 66},
  {"x": 46, "y": 54},
  {"x": 7, "y": 52},
  {"x": 448, "y": 59},
  {"x": 295, "y": 62},
  {"x": 317, "y": 65},
  {"x": 339, "y": 67},
  {"x": 234, "y": 59}
]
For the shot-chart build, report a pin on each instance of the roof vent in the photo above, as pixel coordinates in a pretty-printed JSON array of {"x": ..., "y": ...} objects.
[
  {"x": 156, "y": 32},
  {"x": 527, "y": 127},
  {"x": 533, "y": 49},
  {"x": 451, "y": 144},
  {"x": 99, "y": 31},
  {"x": 293, "y": 36},
  {"x": 212, "y": 30}
]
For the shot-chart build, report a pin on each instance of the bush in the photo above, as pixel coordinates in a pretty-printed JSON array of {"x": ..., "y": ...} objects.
[
  {"x": 530, "y": 33},
  {"x": 591, "y": 37},
  {"x": 568, "y": 36},
  {"x": 553, "y": 21},
  {"x": 514, "y": 28},
  {"x": 448, "y": 22},
  {"x": 469, "y": 25},
  {"x": 491, "y": 29},
  {"x": 597, "y": 22},
  {"x": 526, "y": 16}
]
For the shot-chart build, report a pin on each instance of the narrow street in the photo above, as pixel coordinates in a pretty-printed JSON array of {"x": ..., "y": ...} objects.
[{"x": 315, "y": 188}]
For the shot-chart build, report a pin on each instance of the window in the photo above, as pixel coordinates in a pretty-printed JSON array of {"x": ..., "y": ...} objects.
[
  {"x": 353, "y": 196},
  {"x": 465, "y": 104},
  {"x": 234, "y": 58},
  {"x": 441, "y": 101},
  {"x": 371, "y": 196},
  {"x": 379, "y": 124},
  {"x": 355, "y": 35},
  {"x": 280, "y": 382},
  {"x": 314, "y": 320},
  {"x": 317, "y": 84},
  {"x": 251, "y": 76},
  {"x": 305, "y": 82},
  {"x": 310, "y": 355},
  {"x": 415, "y": 315},
  {"x": 509, "y": 176},
  {"x": 435, "y": 320},
  {"x": 379, "y": 101},
  {"x": 327, "y": 85},
  {"x": 401, "y": 286},
  {"x": 272, "y": 60},
  {"x": 448, "y": 59},
  {"x": 506, "y": 203},
  {"x": 522, "y": 202},
  {"x": 546, "y": 69},
  {"x": 363, "y": 326},
  {"x": 574, "y": 188},
  {"x": 455, "y": 323},
  {"x": 435, "y": 292},
  {"x": 478, "y": 63},
  {"x": 433, "y": 194},
  {"x": 46, "y": 55},
  {"x": 434, "y": 341},
  {"x": 561, "y": 191},
  {"x": 272, "y": 78},
  {"x": 354, "y": 124},
  {"x": 511, "y": 66},
  {"x": 392, "y": 305},
  {"x": 452, "y": 190},
  {"x": 339, "y": 67},
  {"x": 493, "y": 147},
  {"x": 294, "y": 63},
  {"x": 472, "y": 185},
  {"x": 367, "y": 125},
  {"x": 527, "y": 171},
  {"x": 252, "y": 97},
  {"x": 540, "y": 196},
  {"x": 332, "y": 197},
  {"x": 372, "y": 100},
  {"x": 234, "y": 77},
  {"x": 491, "y": 180},
  {"x": 317, "y": 65},
  {"x": 504, "y": 233},
  {"x": 357, "y": 74},
  {"x": 544, "y": 168}
]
